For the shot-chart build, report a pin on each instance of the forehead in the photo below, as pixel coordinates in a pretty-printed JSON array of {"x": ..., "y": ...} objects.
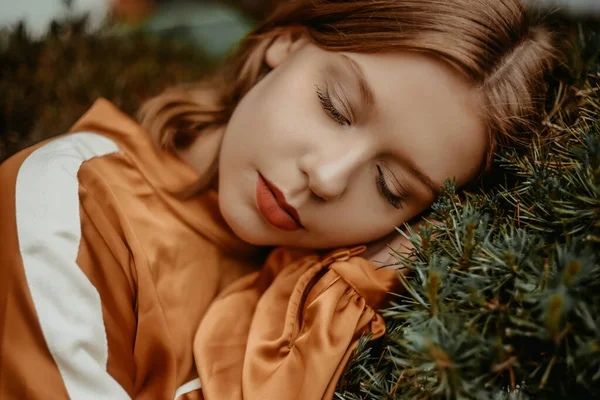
[{"x": 425, "y": 111}]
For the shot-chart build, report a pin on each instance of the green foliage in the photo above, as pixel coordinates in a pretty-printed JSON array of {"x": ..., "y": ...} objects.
[
  {"x": 47, "y": 83},
  {"x": 505, "y": 302}
]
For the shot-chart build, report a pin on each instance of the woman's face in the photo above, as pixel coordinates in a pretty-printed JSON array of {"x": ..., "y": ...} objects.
[{"x": 333, "y": 149}]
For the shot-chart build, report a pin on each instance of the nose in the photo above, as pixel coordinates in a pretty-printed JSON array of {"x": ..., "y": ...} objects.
[{"x": 329, "y": 171}]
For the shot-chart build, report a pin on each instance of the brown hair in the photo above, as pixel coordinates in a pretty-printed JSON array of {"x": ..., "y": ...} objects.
[{"x": 495, "y": 43}]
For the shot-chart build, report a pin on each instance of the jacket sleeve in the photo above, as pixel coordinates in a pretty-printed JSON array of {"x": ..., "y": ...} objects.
[
  {"x": 65, "y": 325},
  {"x": 287, "y": 331}
]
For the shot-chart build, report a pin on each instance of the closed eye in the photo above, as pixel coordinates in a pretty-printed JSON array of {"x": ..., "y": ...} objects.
[
  {"x": 384, "y": 189},
  {"x": 329, "y": 108}
]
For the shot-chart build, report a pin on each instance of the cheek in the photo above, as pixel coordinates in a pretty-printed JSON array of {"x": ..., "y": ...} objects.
[
  {"x": 261, "y": 115},
  {"x": 278, "y": 115},
  {"x": 363, "y": 216}
]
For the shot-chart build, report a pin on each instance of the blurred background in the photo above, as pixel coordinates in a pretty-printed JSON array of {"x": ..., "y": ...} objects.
[{"x": 58, "y": 56}]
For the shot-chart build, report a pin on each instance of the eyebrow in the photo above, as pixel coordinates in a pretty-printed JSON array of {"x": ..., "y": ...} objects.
[
  {"x": 365, "y": 89},
  {"x": 425, "y": 179}
]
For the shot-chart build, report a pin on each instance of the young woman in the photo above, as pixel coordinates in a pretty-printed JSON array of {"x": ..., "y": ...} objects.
[{"x": 335, "y": 122}]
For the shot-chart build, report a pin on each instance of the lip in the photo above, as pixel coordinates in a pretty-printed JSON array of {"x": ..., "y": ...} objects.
[{"x": 272, "y": 205}]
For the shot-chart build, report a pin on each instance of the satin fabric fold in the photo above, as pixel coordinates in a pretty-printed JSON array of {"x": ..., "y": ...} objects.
[{"x": 287, "y": 331}]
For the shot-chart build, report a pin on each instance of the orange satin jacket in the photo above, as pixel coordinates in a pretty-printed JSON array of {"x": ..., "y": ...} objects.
[{"x": 113, "y": 287}]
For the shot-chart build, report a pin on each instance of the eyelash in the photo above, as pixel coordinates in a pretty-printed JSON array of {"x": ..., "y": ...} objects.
[
  {"x": 395, "y": 201},
  {"x": 330, "y": 109},
  {"x": 326, "y": 103}
]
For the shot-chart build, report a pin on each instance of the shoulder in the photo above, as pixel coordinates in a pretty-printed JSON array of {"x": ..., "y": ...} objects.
[
  {"x": 53, "y": 165},
  {"x": 41, "y": 185},
  {"x": 41, "y": 182}
]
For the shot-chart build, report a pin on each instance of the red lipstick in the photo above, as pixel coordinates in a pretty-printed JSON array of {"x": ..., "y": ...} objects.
[{"x": 271, "y": 203}]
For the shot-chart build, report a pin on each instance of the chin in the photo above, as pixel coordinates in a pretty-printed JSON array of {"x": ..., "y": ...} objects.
[
  {"x": 251, "y": 237},
  {"x": 243, "y": 227}
]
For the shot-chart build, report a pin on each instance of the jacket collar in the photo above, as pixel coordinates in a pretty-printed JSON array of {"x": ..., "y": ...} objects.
[{"x": 167, "y": 173}]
